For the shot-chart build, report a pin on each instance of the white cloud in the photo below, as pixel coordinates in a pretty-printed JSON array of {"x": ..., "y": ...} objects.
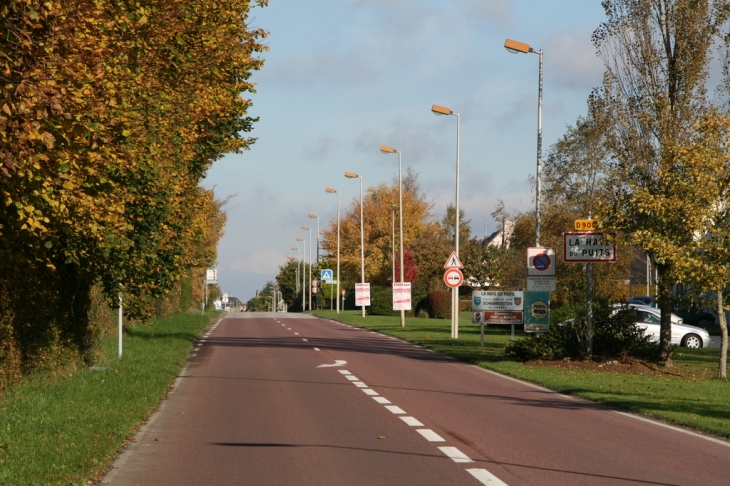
[
  {"x": 571, "y": 61},
  {"x": 321, "y": 148},
  {"x": 263, "y": 262}
]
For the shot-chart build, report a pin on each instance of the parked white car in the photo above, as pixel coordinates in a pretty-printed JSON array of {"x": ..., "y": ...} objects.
[{"x": 649, "y": 318}]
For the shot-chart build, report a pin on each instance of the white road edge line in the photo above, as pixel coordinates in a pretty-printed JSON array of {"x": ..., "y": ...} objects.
[
  {"x": 430, "y": 435},
  {"x": 412, "y": 421},
  {"x": 395, "y": 409},
  {"x": 485, "y": 477},
  {"x": 455, "y": 454},
  {"x": 608, "y": 408}
]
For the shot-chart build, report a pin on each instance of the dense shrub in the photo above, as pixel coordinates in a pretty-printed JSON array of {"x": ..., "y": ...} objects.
[
  {"x": 381, "y": 302},
  {"x": 439, "y": 304},
  {"x": 614, "y": 336}
]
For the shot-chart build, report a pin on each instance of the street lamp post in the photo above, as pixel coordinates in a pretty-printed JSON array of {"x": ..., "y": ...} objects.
[
  {"x": 314, "y": 216},
  {"x": 352, "y": 175},
  {"x": 455, "y": 307},
  {"x": 337, "y": 296},
  {"x": 306, "y": 228},
  {"x": 515, "y": 47},
  {"x": 393, "y": 207},
  {"x": 304, "y": 270},
  {"x": 390, "y": 150}
]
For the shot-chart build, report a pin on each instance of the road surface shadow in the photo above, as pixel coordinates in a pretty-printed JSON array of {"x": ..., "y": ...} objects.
[
  {"x": 363, "y": 344},
  {"x": 482, "y": 461}
]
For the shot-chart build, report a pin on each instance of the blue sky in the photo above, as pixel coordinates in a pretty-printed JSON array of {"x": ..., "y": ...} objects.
[{"x": 343, "y": 77}]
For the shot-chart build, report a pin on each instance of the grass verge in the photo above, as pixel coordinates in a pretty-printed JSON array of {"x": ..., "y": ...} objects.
[
  {"x": 63, "y": 428},
  {"x": 689, "y": 397}
]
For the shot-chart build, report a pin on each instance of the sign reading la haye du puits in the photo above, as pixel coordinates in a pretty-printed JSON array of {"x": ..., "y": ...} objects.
[
  {"x": 589, "y": 247},
  {"x": 497, "y": 307}
]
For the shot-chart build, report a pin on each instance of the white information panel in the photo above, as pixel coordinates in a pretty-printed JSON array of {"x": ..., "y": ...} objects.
[
  {"x": 541, "y": 284},
  {"x": 401, "y": 296},
  {"x": 362, "y": 294}
]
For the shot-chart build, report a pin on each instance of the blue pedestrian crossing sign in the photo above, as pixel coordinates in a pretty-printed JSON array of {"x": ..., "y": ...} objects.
[{"x": 326, "y": 274}]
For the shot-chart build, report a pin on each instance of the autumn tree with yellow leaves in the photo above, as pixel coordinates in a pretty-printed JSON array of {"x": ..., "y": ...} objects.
[{"x": 111, "y": 113}]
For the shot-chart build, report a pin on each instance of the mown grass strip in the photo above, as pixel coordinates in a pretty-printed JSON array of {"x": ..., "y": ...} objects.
[
  {"x": 64, "y": 428},
  {"x": 690, "y": 400}
]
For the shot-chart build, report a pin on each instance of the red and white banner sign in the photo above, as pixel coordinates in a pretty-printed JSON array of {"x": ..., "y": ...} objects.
[
  {"x": 401, "y": 296},
  {"x": 362, "y": 294}
]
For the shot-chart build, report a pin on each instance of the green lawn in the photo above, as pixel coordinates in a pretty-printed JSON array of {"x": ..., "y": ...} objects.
[
  {"x": 693, "y": 399},
  {"x": 61, "y": 429}
]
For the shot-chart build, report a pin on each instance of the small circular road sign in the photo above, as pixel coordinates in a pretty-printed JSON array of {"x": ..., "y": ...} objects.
[
  {"x": 453, "y": 277},
  {"x": 541, "y": 261}
]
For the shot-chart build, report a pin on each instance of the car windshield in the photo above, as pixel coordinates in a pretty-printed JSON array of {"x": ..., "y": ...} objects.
[{"x": 649, "y": 317}]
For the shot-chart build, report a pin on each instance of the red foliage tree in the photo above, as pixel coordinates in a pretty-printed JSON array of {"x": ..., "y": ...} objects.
[{"x": 410, "y": 269}]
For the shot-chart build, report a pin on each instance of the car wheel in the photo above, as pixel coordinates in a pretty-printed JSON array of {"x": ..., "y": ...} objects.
[{"x": 692, "y": 341}]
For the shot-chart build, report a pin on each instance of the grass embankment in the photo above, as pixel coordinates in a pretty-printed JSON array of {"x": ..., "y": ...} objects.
[
  {"x": 687, "y": 395},
  {"x": 63, "y": 428}
]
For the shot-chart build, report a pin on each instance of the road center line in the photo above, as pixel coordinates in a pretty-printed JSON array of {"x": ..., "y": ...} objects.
[
  {"x": 395, "y": 409},
  {"x": 369, "y": 392},
  {"x": 381, "y": 400},
  {"x": 352, "y": 377},
  {"x": 485, "y": 477},
  {"x": 430, "y": 435},
  {"x": 412, "y": 421},
  {"x": 359, "y": 384},
  {"x": 344, "y": 372},
  {"x": 455, "y": 454}
]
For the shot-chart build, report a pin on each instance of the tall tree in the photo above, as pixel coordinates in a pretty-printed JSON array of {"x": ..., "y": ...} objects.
[
  {"x": 657, "y": 56},
  {"x": 378, "y": 228}
]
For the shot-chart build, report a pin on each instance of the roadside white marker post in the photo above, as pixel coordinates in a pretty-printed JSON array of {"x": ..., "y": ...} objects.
[{"x": 120, "y": 323}]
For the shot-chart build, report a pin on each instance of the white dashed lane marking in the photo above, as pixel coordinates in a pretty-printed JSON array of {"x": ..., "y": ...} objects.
[
  {"x": 316, "y": 349},
  {"x": 352, "y": 377},
  {"x": 455, "y": 454},
  {"x": 485, "y": 477},
  {"x": 359, "y": 384},
  {"x": 370, "y": 392},
  {"x": 395, "y": 409},
  {"x": 305, "y": 340},
  {"x": 381, "y": 400},
  {"x": 344, "y": 372},
  {"x": 430, "y": 435},
  {"x": 412, "y": 421}
]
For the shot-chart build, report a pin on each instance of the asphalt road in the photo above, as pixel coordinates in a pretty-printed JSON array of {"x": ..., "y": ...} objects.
[{"x": 289, "y": 399}]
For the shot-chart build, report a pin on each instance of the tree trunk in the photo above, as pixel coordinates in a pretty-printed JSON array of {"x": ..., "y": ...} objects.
[
  {"x": 665, "y": 304},
  {"x": 722, "y": 369}
]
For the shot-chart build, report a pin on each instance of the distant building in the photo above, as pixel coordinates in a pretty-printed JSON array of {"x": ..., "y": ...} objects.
[{"x": 500, "y": 237}]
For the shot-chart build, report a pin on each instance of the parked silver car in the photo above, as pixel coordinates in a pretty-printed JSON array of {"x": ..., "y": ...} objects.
[{"x": 649, "y": 318}]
